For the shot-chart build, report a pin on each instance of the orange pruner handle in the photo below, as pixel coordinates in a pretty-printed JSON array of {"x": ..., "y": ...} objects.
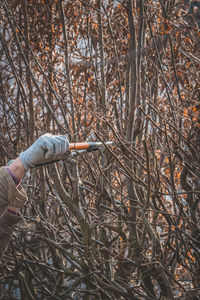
[
  {"x": 79, "y": 146},
  {"x": 88, "y": 146}
]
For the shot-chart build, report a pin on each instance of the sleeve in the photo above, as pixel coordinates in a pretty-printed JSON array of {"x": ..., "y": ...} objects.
[
  {"x": 7, "y": 223},
  {"x": 9, "y": 193}
]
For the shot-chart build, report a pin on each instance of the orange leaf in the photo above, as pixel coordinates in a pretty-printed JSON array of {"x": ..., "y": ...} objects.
[
  {"x": 162, "y": 30},
  {"x": 95, "y": 25},
  {"x": 185, "y": 112},
  {"x": 52, "y": 29},
  {"x": 167, "y": 171}
]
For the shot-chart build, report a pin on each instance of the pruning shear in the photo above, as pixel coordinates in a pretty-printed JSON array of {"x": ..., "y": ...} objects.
[{"x": 77, "y": 148}]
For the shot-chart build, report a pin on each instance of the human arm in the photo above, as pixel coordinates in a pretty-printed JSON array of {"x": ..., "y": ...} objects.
[
  {"x": 10, "y": 194},
  {"x": 13, "y": 195},
  {"x": 48, "y": 147},
  {"x": 17, "y": 172}
]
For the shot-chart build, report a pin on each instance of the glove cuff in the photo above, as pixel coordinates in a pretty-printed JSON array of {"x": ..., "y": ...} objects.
[{"x": 24, "y": 160}]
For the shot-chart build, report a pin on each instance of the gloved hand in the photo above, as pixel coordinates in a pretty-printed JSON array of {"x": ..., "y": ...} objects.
[{"x": 47, "y": 148}]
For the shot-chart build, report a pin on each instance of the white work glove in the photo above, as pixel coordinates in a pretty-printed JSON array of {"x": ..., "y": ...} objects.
[{"x": 46, "y": 149}]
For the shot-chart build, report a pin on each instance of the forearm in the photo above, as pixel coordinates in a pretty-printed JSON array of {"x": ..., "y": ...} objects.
[
  {"x": 17, "y": 168},
  {"x": 17, "y": 172},
  {"x": 10, "y": 194},
  {"x": 11, "y": 198},
  {"x": 47, "y": 148}
]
